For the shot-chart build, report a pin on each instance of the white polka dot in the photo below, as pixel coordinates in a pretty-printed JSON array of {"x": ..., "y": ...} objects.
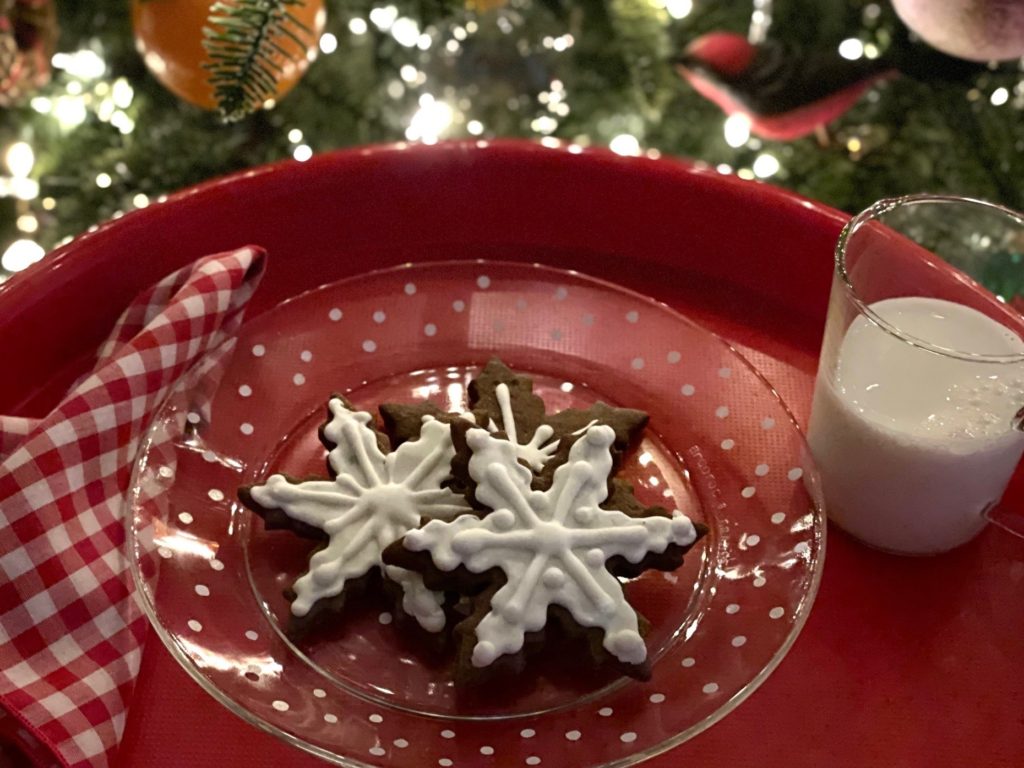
[
  {"x": 446, "y": 734},
  {"x": 305, "y": 356},
  {"x": 689, "y": 661},
  {"x": 385, "y": 618},
  {"x": 761, "y": 470},
  {"x": 193, "y": 418},
  {"x": 521, "y": 304},
  {"x": 298, "y": 379},
  {"x": 430, "y": 329},
  {"x": 335, "y": 315},
  {"x": 378, "y": 751},
  {"x": 485, "y": 750},
  {"x": 280, "y": 706},
  {"x": 753, "y": 540},
  {"x": 259, "y": 350},
  {"x": 165, "y": 553},
  {"x": 656, "y": 698},
  {"x": 245, "y": 390},
  {"x": 776, "y": 613},
  {"x": 739, "y": 641},
  {"x": 722, "y": 411},
  {"x": 561, "y": 292},
  {"x": 778, "y": 517},
  {"x": 320, "y": 693},
  {"x": 166, "y": 472},
  {"x": 724, "y": 373},
  {"x": 458, "y": 305},
  {"x": 573, "y": 735},
  {"x": 444, "y": 762},
  {"x": 606, "y": 711},
  {"x": 251, "y": 635},
  {"x": 628, "y": 737},
  {"x": 673, "y": 357},
  {"x": 533, "y": 760},
  {"x": 484, "y": 282},
  {"x": 379, "y": 316},
  {"x": 410, "y": 289},
  {"x": 216, "y": 494},
  {"x": 637, "y": 363},
  {"x": 185, "y": 518},
  {"x": 732, "y": 608},
  {"x": 728, "y": 444},
  {"x": 194, "y": 625},
  {"x": 245, "y": 428},
  {"x": 748, "y": 492},
  {"x": 588, "y": 319},
  {"x": 795, "y": 473},
  {"x": 369, "y": 345},
  {"x": 632, "y": 316},
  {"x": 803, "y": 548},
  {"x": 400, "y": 743},
  {"x": 329, "y": 718},
  {"x": 767, "y": 422},
  {"x": 202, "y": 590},
  {"x": 375, "y": 718},
  {"x": 710, "y": 688},
  {"x": 760, "y": 581},
  {"x": 216, "y": 564},
  {"x": 209, "y": 456},
  {"x": 527, "y": 733},
  {"x": 687, "y": 390}
]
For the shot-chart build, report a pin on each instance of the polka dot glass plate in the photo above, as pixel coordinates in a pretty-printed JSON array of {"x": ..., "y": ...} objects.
[{"x": 720, "y": 446}]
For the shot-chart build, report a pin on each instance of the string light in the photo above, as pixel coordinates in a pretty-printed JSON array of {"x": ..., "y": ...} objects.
[
  {"x": 328, "y": 43},
  {"x": 999, "y": 97},
  {"x": 20, "y": 158},
  {"x": 765, "y": 165},
  {"x": 302, "y": 153},
  {"x": 20, "y": 255},
  {"x": 679, "y": 9},
  {"x": 625, "y": 144},
  {"x": 851, "y": 48},
  {"x": 430, "y": 120},
  {"x": 357, "y": 26},
  {"x": 737, "y": 130}
]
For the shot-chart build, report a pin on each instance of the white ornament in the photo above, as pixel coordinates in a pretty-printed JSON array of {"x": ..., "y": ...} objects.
[
  {"x": 372, "y": 502},
  {"x": 552, "y": 546}
]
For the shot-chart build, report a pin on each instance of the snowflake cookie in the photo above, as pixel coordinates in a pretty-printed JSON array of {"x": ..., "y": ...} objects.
[{"x": 371, "y": 500}]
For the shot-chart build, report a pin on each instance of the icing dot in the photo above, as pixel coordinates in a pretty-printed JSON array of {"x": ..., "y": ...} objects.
[
  {"x": 795, "y": 473},
  {"x": 379, "y": 316},
  {"x": 710, "y": 688},
  {"x": 747, "y": 492},
  {"x": 194, "y": 625},
  {"x": 410, "y": 289},
  {"x": 673, "y": 357},
  {"x": 329, "y": 718},
  {"x": 588, "y": 319},
  {"x": 165, "y": 553},
  {"x": 485, "y": 750},
  {"x": 245, "y": 390},
  {"x": 724, "y": 373},
  {"x": 722, "y": 411},
  {"x": 532, "y": 760},
  {"x": 761, "y": 470},
  {"x": 369, "y": 345},
  {"x": 385, "y": 618},
  {"x": 527, "y": 733},
  {"x": 245, "y": 428},
  {"x": 637, "y": 363},
  {"x": 306, "y": 356},
  {"x": 595, "y": 558},
  {"x": 193, "y": 418},
  {"x": 215, "y": 494},
  {"x": 777, "y": 612},
  {"x": 280, "y": 706},
  {"x": 573, "y": 735},
  {"x": 400, "y": 743},
  {"x": 739, "y": 641},
  {"x": 444, "y": 762},
  {"x": 628, "y": 737},
  {"x": 185, "y": 518},
  {"x": 687, "y": 390},
  {"x": 458, "y": 305},
  {"x": 335, "y": 315},
  {"x": 259, "y": 350},
  {"x": 298, "y": 379},
  {"x": 767, "y": 423},
  {"x": 803, "y": 548},
  {"x": 778, "y": 517},
  {"x": 605, "y": 711},
  {"x": 251, "y": 635},
  {"x": 216, "y": 564},
  {"x": 320, "y": 693},
  {"x": 430, "y": 329},
  {"x": 689, "y": 661},
  {"x": 753, "y": 540},
  {"x": 484, "y": 282},
  {"x": 728, "y": 444},
  {"x": 375, "y": 718},
  {"x": 553, "y": 578},
  {"x": 632, "y": 316},
  {"x": 561, "y": 292},
  {"x": 760, "y": 581},
  {"x": 202, "y": 590},
  {"x": 378, "y": 751},
  {"x": 657, "y": 698},
  {"x": 732, "y": 608},
  {"x": 446, "y": 734}
]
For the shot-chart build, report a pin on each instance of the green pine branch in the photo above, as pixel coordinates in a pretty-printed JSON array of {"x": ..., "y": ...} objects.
[{"x": 243, "y": 42}]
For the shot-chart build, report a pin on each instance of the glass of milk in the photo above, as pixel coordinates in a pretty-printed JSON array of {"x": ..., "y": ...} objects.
[{"x": 914, "y": 425}]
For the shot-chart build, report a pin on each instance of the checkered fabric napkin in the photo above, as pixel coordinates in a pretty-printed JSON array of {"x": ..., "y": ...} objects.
[{"x": 70, "y": 631}]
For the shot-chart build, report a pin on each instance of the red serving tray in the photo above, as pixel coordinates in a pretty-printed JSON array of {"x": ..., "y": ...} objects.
[{"x": 904, "y": 662}]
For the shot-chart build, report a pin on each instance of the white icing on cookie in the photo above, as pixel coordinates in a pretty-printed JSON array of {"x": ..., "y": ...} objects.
[
  {"x": 551, "y": 545},
  {"x": 534, "y": 451},
  {"x": 372, "y": 502}
]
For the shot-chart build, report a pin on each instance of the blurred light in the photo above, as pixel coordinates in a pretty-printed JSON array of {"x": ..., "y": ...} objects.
[
  {"x": 550, "y": 142},
  {"x": 21, "y": 254},
  {"x": 475, "y": 127},
  {"x": 679, "y": 9},
  {"x": 84, "y": 64},
  {"x": 408, "y": 73},
  {"x": 471, "y": 27},
  {"x": 28, "y": 223},
  {"x": 395, "y": 89},
  {"x": 999, "y": 97},
  {"x": 430, "y": 120},
  {"x": 765, "y": 165},
  {"x": 563, "y": 42},
  {"x": 103, "y": 180},
  {"x": 452, "y": 46},
  {"x": 724, "y": 168},
  {"x": 42, "y": 105},
  {"x": 122, "y": 93},
  {"x": 871, "y": 51},
  {"x": 851, "y": 48},
  {"x": 357, "y": 26},
  {"x": 122, "y": 122},
  {"x": 49, "y": 203},
  {"x": 625, "y": 144},
  {"x": 544, "y": 124},
  {"x": 384, "y": 17},
  {"x": 424, "y": 42},
  {"x": 23, "y": 189},
  {"x": 459, "y": 33},
  {"x": 328, "y": 43},
  {"x": 20, "y": 158},
  {"x": 406, "y": 32},
  {"x": 295, "y": 135},
  {"x": 737, "y": 130},
  {"x": 69, "y": 111},
  {"x": 140, "y": 200},
  {"x": 575, "y": 149},
  {"x": 75, "y": 88},
  {"x": 854, "y": 145},
  {"x": 745, "y": 173},
  {"x": 302, "y": 153}
]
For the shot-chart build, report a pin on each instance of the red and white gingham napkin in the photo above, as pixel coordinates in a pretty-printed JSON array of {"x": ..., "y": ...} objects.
[{"x": 70, "y": 631}]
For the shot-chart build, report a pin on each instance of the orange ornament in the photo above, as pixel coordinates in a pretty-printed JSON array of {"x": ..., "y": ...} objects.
[{"x": 169, "y": 34}]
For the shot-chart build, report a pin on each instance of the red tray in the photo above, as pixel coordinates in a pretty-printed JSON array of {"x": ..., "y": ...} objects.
[{"x": 909, "y": 662}]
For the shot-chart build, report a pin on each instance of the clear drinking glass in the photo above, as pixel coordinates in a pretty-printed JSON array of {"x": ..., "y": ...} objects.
[{"x": 914, "y": 425}]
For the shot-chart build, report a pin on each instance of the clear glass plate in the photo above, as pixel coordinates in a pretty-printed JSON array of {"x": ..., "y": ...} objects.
[{"x": 721, "y": 446}]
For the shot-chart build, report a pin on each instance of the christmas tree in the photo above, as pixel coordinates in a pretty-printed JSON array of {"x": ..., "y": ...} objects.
[{"x": 103, "y": 136}]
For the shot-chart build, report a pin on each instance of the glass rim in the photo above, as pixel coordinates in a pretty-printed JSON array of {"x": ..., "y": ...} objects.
[{"x": 874, "y": 213}]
